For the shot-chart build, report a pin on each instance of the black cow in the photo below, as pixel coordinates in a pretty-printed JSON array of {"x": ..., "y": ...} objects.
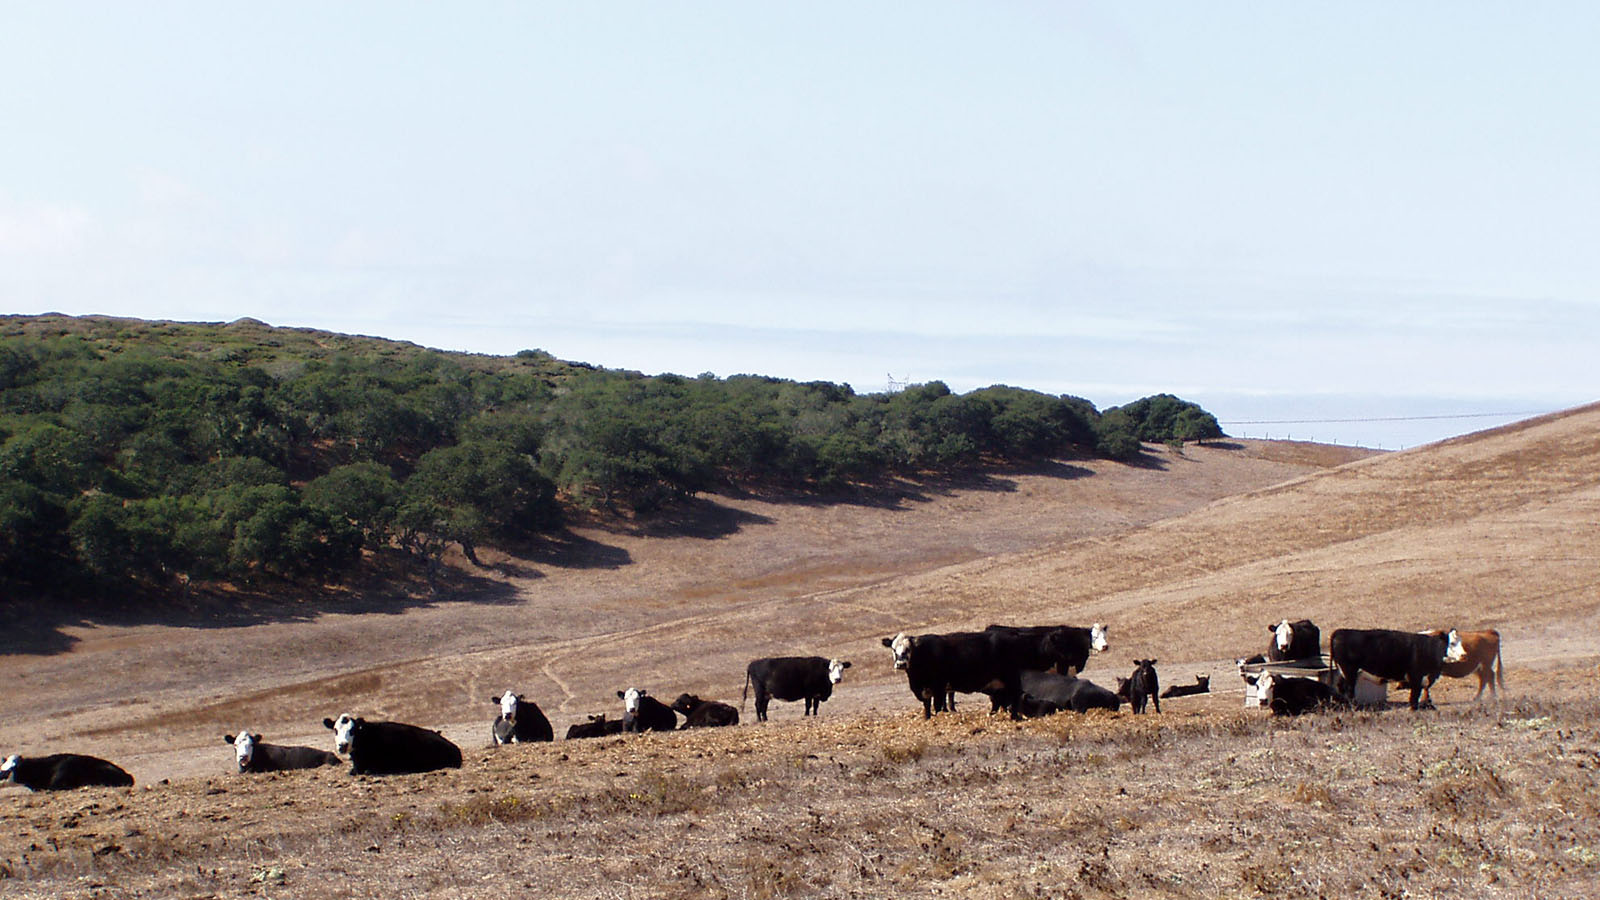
[
  {"x": 253, "y": 755},
  {"x": 1069, "y": 645},
  {"x": 391, "y": 748},
  {"x": 63, "y": 772},
  {"x": 526, "y": 721},
  {"x": 1202, "y": 685},
  {"x": 699, "y": 713},
  {"x": 1293, "y": 696},
  {"x": 1045, "y": 693},
  {"x": 1294, "y": 640},
  {"x": 1414, "y": 659},
  {"x": 989, "y": 661},
  {"x": 1143, "y": 686},
  {"x": 791, "y": 678},
  {"x": 597, "y": 726},
  {"x": 642, "y": 712}
]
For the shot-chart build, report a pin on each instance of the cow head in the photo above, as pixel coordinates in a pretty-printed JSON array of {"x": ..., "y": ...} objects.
[
  {"x": 1284, "y": 633},
  {"x": 836, "y": 669},
  {"x": 8, "y": 770},
  {"x": 1453, "y": 651},
  {"x": 1264, "y": 686},
  {"x": 508, "y": 706},
  {"x": 344, "y": 731},
  {"x": 1097, "y": 638},
  {"x": 686, "y": 703},
  {"x": 630, "y": 699},
  {"x": 244, "y": 747},
  {"x": 900, "y": 646}
]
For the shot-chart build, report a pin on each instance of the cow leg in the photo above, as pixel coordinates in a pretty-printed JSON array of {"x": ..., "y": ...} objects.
[
  {"x": 927, "y": 704},
  {"x": 1485, "y": 678}
]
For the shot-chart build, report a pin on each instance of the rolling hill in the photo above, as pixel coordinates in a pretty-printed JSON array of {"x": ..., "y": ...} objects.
[{"x": 1186, "y": 560}]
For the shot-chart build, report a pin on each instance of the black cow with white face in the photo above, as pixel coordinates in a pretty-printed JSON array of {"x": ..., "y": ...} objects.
[
  {"x": 391, "y": 748},
  {"x": 1413, "y": 659},
  {"x": 1291, "y": 641},
  {"x": 63, "y": 772},
  {"x": 1069, "y": 646},
  {"x": 597, "y": 726},
  {"x": 642, "y": 712},
  {"x": 1294, "y": 696},
  {"x": 791, "y": 678},
  {"x": 253, "y": 755},
  {"x": 699, "y": 713},
  {"x": 989, "y": 661},
  {"x": 521, "y": 721}
]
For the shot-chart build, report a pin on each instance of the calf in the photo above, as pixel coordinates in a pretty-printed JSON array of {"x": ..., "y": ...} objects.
[
  {"x": 1481, "y": 657},
  {"x": 597, "y": 726},
  {"x": 1143, "y": 686},
  {"x": 642, "y": 712},
  {"x": 391, "y": 748},
  {"x": 1202, "y": 685},
  {"x": 1416, "y": 659},
  {"x": 63, "y": 772},
  {"x": 699, "y": 713},
  {"x": 1043, "y": 693},
  {"x": 526, "y": 721},
  {"x": 1294, "y": 640},
  {"x": 790, "y": 678},
  {"x": 1295, "y": 696},
  {"x": 253, "y": 755}
]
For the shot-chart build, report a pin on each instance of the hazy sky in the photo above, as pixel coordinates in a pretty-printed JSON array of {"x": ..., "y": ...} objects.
[{"x": 1284, "y": 211}]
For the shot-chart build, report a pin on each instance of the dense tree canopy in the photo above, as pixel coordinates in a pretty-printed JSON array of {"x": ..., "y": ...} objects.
[{"x": 150, "y": 452}]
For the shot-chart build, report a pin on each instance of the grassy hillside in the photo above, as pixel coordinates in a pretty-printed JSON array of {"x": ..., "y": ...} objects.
[
  {"x": 153, "y": 459},
  {"x": 1206, "y": 800}
]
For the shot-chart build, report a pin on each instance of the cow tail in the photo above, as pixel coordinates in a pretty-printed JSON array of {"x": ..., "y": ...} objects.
[
  {"x": 746, "y": 695},
  {"x": 1499, "y": 670}
]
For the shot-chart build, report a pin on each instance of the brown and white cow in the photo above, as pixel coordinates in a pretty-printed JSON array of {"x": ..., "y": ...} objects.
[{"x": 1482, "y": 649}]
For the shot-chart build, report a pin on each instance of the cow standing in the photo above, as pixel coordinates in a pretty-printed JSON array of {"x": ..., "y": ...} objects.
[
  {"x": 989, "y": 661},
  {"x": 391, "y": 748},
  {"x": 63, "y": 772},
  {"x": 253, "y": 755},
  {"x": 699, "y": 713},
  {"x": 642, "y": 712},
  {"x": 1143, "y": 686},
  {"x": 791, "y": 678},
  {"x": 1415, "y": 659},
  {"x": 526, "y": 721},
  {"x": 1292, "y": 641},
  {"x": 1480, "y": 656}
]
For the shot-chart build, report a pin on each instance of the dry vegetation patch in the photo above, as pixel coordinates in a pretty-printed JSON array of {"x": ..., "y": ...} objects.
[{"x": 1482, "y": 801}]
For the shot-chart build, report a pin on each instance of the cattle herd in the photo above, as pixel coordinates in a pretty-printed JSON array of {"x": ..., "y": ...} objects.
[{"x": 1025, "y": 670}]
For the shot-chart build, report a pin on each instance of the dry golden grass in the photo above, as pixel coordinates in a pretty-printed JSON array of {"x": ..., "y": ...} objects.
[{"x": 1187, "y": 560}]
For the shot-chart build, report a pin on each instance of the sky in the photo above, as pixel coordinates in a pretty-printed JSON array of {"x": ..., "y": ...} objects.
[{"x": 1368, "y": 223}]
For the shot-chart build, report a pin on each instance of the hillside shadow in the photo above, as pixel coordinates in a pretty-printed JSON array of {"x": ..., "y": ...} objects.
[
  {"x": 898, "y": 492},
  {"x": 37, "y": 626}
]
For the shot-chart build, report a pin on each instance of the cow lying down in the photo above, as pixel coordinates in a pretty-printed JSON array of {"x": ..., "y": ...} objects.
[
  {"x": 1202, "y": 685},
  {"x": 63, "y": 772},
  {"x": 253, "y": 755},
  {"x": 597, "y": 726},
  {"x": 391, "y": 748},
  {"x": 1046, "y": 693}
]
